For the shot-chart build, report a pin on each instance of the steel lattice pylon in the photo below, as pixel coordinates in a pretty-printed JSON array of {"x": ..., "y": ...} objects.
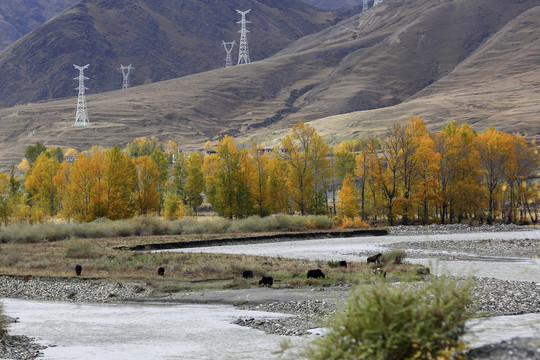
[
  {"x": 243, "y": 52},
  {"x": 228, "y": 59},
  {"x": 125, "y": 74},
  {"x": 81, "y": 118},
  {"x": 365, "y": 6}
]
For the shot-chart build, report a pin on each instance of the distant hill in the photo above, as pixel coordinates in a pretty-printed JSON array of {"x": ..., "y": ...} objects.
[
  {"x": 335, "y": 4},
  {"x": 450, "y": 60},
  {"x": 18, "y": 18},
  {"x": 161, "y": 39}
]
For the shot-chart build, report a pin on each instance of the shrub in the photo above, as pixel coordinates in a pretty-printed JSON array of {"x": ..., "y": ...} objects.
[
  {"x": 79, "y": 249},
  {"x": 355, "y": 223},
  {"x": 333, "y": 264},
  {"x": 319, "y": 222},
  {"x": 393, "y": 257},
  {"x": 398, "y": 322},
  {"x": 3, "y": 322}
]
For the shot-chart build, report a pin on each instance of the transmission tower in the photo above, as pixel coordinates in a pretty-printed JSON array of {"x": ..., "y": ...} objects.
[
  {"x": 365, "y": 6},
  {"x": 243, "y": 53},
  {"x": 377, "y": 2},
  {"x": 125, "y": 73},
  {"x": 81, "y": 118},
  {"x": 228, "y": 59}
]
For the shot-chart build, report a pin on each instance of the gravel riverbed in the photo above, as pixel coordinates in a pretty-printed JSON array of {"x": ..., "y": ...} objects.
[{"x": 491, "y": 296}]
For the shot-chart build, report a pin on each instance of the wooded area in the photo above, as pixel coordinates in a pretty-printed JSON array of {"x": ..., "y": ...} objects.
[{"x": 410, "y": 176}]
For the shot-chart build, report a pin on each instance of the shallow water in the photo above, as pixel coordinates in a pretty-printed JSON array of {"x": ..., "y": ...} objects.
[{"x": 136, "y": 331}]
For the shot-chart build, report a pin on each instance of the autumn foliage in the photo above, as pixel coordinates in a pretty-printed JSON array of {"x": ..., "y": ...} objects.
[{"x": 409, "y": 176}]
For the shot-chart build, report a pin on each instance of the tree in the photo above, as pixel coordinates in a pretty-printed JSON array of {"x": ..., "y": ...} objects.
[
  {"x": 425, "y": 190},
  {"x": 85, "y": 195},
  {"x": 496, "y": 151},
  {"x": 306, "y": 155},
  {"x": 280, "y": 199},
  {"x": 348, "y": 198},
  {"x": 162, "y": 164},
  {"x": 120, "y": 180},
  {"x": 147, "y": 194},
  {"x": 173, "y": 208},
  {"x": 364, "y": 171},
  {"x": 459, "y": 185},
  {"x": 33, "y": 151},
  {"x": 4, "y": 199},
  {"x": 194, "y": 185},
  {"x": 142, "y": 147},
  {"x": 39, "y": 183},
  {"x": 260, "y": 178},
  {"x": 227, "y": 186}
]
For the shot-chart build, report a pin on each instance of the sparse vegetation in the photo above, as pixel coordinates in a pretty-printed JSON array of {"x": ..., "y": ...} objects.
[
  {"x": 384, "y": 322},
  {"x": 393, "y": 257},
  {"x": 153, "y": 225}
]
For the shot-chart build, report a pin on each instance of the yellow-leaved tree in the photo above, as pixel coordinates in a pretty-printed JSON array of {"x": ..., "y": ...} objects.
[
  {"x": 348, "y": 198},
  {"x": 39, "y": 183},
  {"x": 147, "y": 193}
]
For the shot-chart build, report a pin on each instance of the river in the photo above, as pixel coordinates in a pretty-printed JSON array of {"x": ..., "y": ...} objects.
[{"x": 135, "y": 331}]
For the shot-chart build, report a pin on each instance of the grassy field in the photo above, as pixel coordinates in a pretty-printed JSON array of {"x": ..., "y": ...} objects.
[{"x": 101, "y": 259}]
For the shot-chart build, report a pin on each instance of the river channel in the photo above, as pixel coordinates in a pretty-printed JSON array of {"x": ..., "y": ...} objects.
[{"x": 153, "y": 331}]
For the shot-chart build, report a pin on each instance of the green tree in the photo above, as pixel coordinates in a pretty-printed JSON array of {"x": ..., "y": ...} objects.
[{"x": 33, "y": 151}]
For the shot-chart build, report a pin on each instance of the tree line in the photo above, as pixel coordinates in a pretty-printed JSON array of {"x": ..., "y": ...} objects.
[{"x": 410, "y": 176}]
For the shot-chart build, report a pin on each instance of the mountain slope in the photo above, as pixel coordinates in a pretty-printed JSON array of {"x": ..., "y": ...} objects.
[
  {"x": 498, "y": 85},
  {"x": 18, "y": 18},
  {"x": 390, "y": 63},
  {"x": 162, "y": 39}
]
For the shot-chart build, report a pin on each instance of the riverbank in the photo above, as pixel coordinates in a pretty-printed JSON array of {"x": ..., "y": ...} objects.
[{"x": 310, "y": 306}]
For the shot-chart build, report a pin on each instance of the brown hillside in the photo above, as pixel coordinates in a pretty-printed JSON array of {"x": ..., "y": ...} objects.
[
  {"x": 390, "y": 63},
  {"x": 162, "y": 39}
]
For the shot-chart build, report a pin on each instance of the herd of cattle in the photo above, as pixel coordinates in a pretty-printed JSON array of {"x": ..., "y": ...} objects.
[{"x": 269, "y": 281}]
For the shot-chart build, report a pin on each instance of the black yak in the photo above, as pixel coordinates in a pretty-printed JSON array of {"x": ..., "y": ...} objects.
[
  {"x": 247, "y": 274},
  {"x": 374, "y": 259},
  {"x": 78, "y": 270},
  {"x": 161, "y": 271},
  {"x": 316, "y": 274},
  {"x": 266, "y": 281}
]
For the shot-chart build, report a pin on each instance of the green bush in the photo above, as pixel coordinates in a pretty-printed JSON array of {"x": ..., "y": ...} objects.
[{"x": 385, "y": 322}]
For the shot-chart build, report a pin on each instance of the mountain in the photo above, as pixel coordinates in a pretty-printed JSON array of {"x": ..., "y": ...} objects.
[
  {"x": 18, "y": 18},
  {"x": 444, "y": 60},
  {"x": 162, "y": 39},
  {"x": 335, "y": 4}
]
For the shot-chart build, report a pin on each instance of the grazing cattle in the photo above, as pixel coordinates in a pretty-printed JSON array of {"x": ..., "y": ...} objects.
[
  {"x": 343, "y": 263},
  {"x": 161, "y": 271},
  {"x": 316, "y": 274},
  {"x": 374, "y": 259},
  {"x": 78, "y": 270},
  {"x": 266, "y": 281},
  {"x": 380, "y": 272},
  {"x": 248, "y": 274},
  {"x": 26, "y": 278}
]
